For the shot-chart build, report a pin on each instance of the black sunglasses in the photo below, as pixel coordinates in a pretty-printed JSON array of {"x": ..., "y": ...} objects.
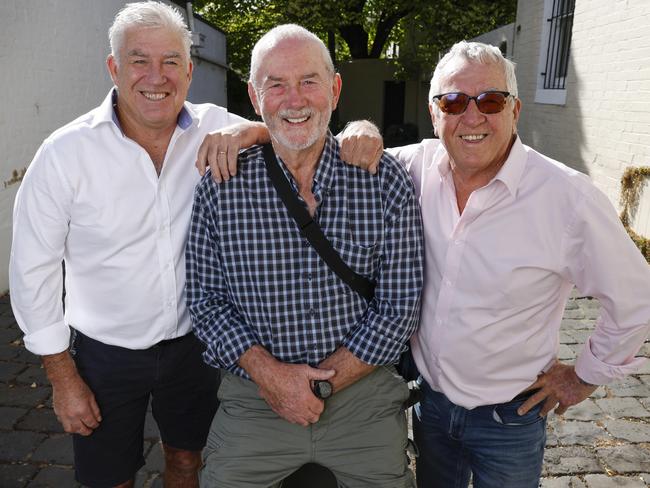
[{"x": 489, "y": 102}]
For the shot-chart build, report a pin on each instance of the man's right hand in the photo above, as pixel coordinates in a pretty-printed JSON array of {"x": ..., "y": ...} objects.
[
  {"x": 74, "y": 403},
  {"x": 286, "y": 387},
  {"x": 220, "y": 149}
]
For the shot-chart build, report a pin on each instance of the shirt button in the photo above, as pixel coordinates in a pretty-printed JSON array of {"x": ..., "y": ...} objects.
[
  {"x": 308, "y": 276},
  {"x": 312, "y": 312},
  {"x": 447, "y": 282}
]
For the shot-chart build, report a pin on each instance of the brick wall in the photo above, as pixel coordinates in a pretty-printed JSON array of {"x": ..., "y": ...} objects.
[{"x": 604, "y": 126}]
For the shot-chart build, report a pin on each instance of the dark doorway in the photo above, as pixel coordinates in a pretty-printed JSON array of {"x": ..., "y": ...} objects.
[{"x": 393, "y": 103}]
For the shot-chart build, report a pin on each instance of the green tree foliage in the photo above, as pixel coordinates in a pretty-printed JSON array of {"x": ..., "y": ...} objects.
[
  {"x": 421, "y": 29},
  {"x": 360, "y": 28}
]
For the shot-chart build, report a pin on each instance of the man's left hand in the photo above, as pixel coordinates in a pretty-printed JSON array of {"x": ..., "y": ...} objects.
[{"x": 559, "y": 386}]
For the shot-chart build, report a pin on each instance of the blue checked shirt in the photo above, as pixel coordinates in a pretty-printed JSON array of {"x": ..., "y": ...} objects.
[{"x": 252, "y": 278}]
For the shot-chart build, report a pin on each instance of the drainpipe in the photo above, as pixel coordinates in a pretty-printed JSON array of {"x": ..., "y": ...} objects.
[{"x": 190, "y": 17}]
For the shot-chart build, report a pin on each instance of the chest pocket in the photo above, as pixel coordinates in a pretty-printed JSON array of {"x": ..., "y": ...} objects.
[{"x": 362, "y": 259}]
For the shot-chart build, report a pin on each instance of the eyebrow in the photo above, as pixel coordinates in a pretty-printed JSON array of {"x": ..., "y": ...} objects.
[
  {"x": 141, "y": 54},
  {"x": 279, "y": 78}
]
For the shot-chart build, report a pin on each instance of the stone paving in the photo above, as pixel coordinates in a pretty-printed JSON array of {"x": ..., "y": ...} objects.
[{"x": 603, "y": 442}]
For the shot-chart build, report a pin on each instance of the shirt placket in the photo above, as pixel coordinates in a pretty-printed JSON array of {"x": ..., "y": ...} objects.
[
  {"x": 166, "y": 260},
  {"x": 165, "y": 246},
  {"x": 460, "y": 224}
]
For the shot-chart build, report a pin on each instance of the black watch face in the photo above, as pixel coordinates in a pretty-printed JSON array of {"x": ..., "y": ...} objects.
[{"x": 322, "y": 389}]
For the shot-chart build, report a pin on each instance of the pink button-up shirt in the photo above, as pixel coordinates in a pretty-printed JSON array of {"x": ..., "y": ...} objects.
[{"x": 497, "y": 276}]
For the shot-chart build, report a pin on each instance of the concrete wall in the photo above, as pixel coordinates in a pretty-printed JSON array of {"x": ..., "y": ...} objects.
[
  {"x": 363, "y": 94},
  {"x": 52, "y": 54},
  {"x": 604, "y": 126}
]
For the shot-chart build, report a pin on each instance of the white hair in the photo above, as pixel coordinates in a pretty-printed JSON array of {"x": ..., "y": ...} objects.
[
  {"x": 476, "y": 52},
  {"x": 282, "y": 33},
  {"x": 148, "y": 14}
]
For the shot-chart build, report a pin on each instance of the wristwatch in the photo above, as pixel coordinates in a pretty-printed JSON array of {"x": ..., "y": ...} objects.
[{"x": 322, "y": 389}]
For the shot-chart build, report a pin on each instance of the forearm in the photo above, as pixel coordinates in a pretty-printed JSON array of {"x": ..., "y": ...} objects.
[
  {"x": 258, "y": 362},
  {"x": 349, "y": 369},
  {"x": 59, "y": 368},
  {"x": 258, "y": 134}
]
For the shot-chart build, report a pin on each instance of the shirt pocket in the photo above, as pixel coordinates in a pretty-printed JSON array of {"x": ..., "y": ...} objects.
[{"x": 362, "y": 259}]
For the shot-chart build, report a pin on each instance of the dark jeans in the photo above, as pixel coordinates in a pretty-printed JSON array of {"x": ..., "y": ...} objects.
[{"x": 497, "y": 446}]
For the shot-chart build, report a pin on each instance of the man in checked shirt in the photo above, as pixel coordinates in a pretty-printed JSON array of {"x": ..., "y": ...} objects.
[{"x": 277, "y": 319}]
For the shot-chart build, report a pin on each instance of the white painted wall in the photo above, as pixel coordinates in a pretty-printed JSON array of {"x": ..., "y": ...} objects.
[
  {"x": 52, "y": 54},
  {"x": 604, "y": 125},
  {"x": 497, "y": 36}
]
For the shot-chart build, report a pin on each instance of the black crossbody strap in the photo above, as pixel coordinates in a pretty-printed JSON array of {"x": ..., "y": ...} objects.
[{"x": 312, "y": 231}]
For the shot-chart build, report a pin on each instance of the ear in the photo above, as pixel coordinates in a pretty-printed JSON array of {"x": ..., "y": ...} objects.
[
  {"x": 252, "y": 94},
  {"x": 337, "y": 84},
  {"x": 190, "y": 70},
  {"x": 432, "y": 111},
  {"x": 111, "y": 64},
  {"x": 516, "y": 110}
]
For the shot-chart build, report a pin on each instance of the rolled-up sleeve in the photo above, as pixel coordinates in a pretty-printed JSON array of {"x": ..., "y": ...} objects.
[
  {"x": 605, "y": 263},
  {"x": 40, "y": 225}
]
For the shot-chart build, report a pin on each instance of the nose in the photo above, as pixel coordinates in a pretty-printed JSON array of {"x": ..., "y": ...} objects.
[
  {"x": 472, "y": 115},
  {"x": 295, "y": 96},
  {"x": 155, "y": 74}
]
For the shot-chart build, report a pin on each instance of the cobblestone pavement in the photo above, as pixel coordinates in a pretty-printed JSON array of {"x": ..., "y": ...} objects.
[{"x": 603, "y": 442}]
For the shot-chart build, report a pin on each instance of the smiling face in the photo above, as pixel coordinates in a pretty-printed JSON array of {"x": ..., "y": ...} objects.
[
  {"x": 477, "y": 143},
  {"x": 152, "y": 78},
  {"x": 295, "y": 94}
]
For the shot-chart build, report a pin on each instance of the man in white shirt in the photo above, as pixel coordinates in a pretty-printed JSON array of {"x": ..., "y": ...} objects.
[{"x": 110, "y": 194}]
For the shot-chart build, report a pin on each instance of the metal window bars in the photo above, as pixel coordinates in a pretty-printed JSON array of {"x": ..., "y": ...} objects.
[{"x": 559, "y": 43}]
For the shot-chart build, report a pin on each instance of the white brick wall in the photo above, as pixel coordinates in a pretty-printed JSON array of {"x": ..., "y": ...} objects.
[
  {"x": 604, "y": 126},
  {"x": 52, "y": 54}
]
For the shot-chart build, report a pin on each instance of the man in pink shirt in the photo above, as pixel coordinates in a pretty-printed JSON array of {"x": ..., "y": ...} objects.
[{"x": 508, "y": 234}]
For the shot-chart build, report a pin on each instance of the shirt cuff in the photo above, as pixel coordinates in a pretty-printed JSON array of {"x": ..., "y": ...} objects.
[
  {"x": 594, "y": 371},
  {"x": 372, "y": 347},
  {"x": 53, "y": 339}
]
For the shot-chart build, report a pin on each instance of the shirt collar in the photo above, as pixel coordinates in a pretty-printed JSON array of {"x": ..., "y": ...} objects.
[
  {"x": 510, "y": 173},
  {"x": 106, "y": 113},
  {"x": 512, "y": 170},
  {"x": 324, "y": 177}
]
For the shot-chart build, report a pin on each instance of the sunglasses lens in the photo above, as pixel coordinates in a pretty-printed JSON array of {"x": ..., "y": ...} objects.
[
  {"x": 453, "y": 103},
  {"x": 491, "y": 103}
]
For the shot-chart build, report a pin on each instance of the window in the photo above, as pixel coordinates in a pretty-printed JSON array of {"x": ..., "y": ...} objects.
[{"x": 554, "y": 51}]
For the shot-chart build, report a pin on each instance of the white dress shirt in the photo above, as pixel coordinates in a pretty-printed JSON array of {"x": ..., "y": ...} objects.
[
  {"x": 92, "y": 197},
  {"x": 497, "y": 277}
]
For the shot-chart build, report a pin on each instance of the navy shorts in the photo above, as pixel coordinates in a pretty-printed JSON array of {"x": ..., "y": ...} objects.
[{"x": 183, "y": 393}]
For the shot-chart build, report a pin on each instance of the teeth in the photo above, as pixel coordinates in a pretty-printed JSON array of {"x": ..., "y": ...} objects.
[
  {"x": 297, "y": 121},
  {"x": 154, "y": 96},
  {"x": 473, "y": 137}
]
